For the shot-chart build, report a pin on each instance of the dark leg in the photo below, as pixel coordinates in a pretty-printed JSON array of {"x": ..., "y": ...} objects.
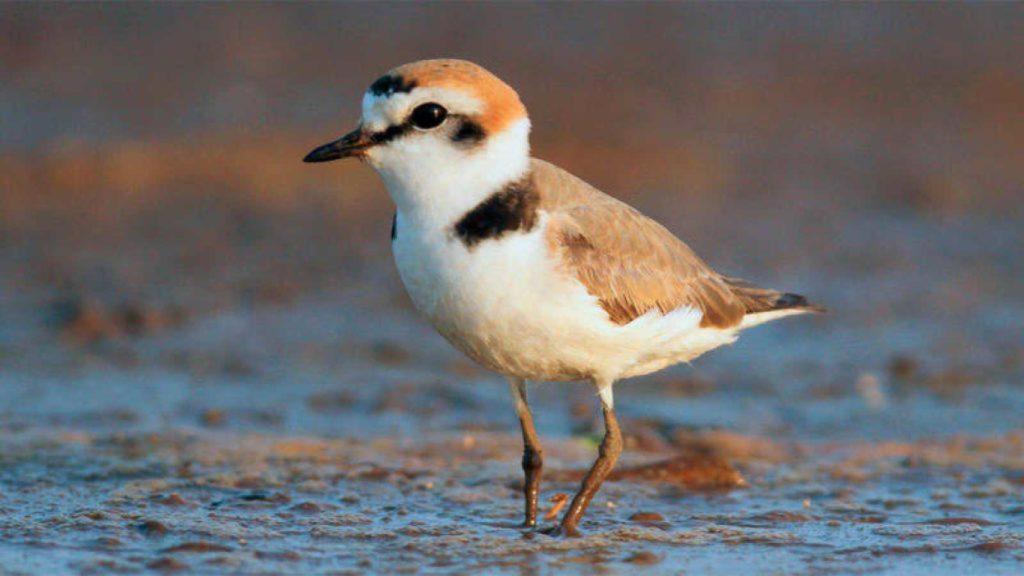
[
  {"x": 533, "y": 462},
  {"x": 609, "y": 452}
]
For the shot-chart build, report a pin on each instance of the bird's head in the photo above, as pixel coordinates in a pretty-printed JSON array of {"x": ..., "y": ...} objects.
[{"x": 437, "y": 123}]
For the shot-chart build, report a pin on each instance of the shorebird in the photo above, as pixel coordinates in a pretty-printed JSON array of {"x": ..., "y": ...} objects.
[{"x": 527, "y": 269}]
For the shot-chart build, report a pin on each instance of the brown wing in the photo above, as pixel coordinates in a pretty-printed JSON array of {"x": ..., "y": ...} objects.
[{"x": 629, "y": 262}]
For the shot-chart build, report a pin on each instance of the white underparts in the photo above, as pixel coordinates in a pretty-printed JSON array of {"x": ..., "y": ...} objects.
[{"x": 508, "y": 302}]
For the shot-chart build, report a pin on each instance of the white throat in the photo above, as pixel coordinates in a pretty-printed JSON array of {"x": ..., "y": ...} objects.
[{"x": 434, "y": 183}]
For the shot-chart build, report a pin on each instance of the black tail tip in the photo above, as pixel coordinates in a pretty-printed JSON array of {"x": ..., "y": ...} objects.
[{"x": 790, "y": 300}]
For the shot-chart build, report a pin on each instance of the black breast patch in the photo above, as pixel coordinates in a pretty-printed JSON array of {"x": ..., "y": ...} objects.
[
  {"x": 394, "y": 227},
  {"x": 512, "y": 208}
]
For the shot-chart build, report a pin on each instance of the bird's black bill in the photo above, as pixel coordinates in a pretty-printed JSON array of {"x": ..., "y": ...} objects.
[{"x": 352, "y": 144}]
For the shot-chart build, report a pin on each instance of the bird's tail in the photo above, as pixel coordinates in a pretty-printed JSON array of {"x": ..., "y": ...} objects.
[{"x": 763, "y": 304}]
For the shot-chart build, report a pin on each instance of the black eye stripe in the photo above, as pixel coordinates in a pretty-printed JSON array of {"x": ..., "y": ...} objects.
[
  {"x": 468, "y": 133},
  {"x": 391, "y": 132}
]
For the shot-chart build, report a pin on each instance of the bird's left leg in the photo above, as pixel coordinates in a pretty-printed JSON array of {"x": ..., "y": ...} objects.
[
  {"x": 533, "y": 461},
  {"x": 608, "y": 454}
]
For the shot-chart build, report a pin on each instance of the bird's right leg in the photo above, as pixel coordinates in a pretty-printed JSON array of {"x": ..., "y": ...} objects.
[{"x": 533, "y": 463}]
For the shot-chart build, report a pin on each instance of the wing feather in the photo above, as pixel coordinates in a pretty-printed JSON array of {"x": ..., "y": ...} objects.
[{"x": 629, "y": 262}]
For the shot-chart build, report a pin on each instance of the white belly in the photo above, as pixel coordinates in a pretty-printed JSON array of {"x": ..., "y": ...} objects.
[
  {"x": 498, "y": 301},
  {"x": 504, "y": 303}
]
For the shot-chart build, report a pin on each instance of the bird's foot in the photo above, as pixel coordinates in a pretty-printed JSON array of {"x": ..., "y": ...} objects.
[{"x": 560, "y": 531}]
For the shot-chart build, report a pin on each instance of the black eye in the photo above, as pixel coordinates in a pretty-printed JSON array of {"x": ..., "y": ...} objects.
[{"x": 428, "y": 116}]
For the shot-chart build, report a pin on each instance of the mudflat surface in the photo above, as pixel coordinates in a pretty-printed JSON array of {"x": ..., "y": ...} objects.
[
  {"x": 337, "y": 433},
  {"x": 207, "y": 362}
]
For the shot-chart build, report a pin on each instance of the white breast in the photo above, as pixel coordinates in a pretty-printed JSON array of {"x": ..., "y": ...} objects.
[
  {"x": 505, "y": 303},
  {"x": 497, "y": 301}
]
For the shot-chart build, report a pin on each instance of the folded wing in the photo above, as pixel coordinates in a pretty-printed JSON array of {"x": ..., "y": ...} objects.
[{"x": 629, "y": 262}]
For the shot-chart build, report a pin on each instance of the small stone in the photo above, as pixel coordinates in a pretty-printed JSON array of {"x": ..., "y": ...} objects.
[
  {"x": 167, "y": 564},
  {"x": 172, "y": 499},
  {"x": 212, "y": 417},
  {"x": 903, "y": 367},
  {"x": 644, "y": 558},
  {"x": 647, "y": 517},
  {"x": 153, "y": 528},
  {"x": 199, "y": 546}
]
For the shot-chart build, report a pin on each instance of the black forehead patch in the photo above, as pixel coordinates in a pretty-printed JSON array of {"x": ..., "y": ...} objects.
[{"x": 388, "y": 84}]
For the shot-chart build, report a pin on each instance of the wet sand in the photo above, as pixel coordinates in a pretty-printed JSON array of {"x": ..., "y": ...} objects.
[{"x": 336, "y": 433}]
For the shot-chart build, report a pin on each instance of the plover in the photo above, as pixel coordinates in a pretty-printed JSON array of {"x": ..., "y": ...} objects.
[{"x": 524, "y": 267}]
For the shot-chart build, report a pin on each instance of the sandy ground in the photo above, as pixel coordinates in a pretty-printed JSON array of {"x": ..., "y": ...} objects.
[
  {"x": 207, "y": 363},
  {"x": 335, "y": 433}
]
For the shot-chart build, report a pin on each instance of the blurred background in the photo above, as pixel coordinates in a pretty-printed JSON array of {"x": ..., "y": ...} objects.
[
  {"x": 167, "y": 262},
  {"x": 869, "y": 156}
]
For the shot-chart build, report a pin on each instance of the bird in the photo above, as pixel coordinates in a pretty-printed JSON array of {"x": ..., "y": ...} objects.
[{"x": 527, "y": 269}]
